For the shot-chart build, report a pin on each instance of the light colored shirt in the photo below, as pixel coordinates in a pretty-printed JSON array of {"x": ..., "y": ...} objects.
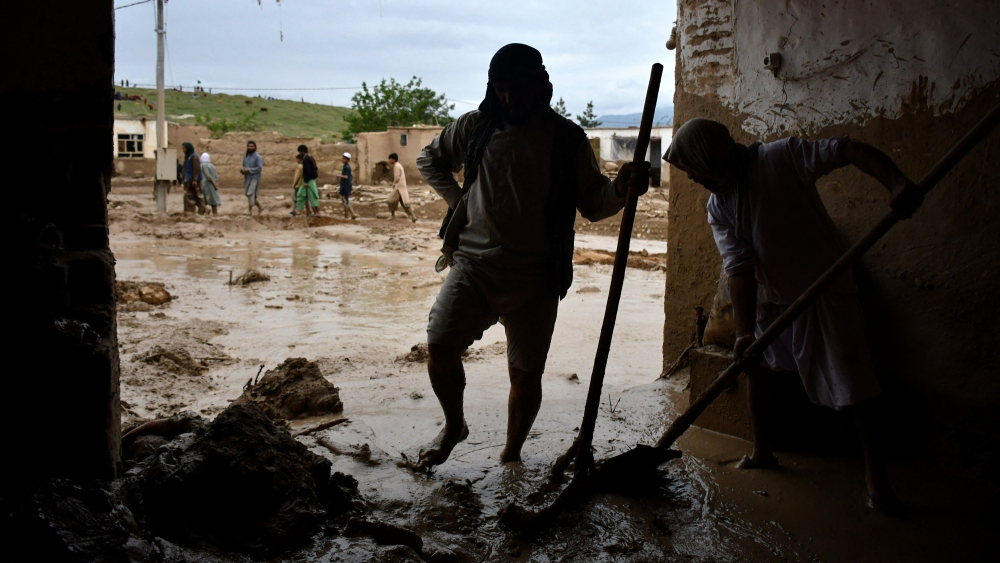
[
  {"x": 297, "y": 181},
  {"x": 505, "y": 233},
  {"x": 399, "y": 183},
  {"x": 254, "y": 163},
  {"x": 791, "y": 239}
]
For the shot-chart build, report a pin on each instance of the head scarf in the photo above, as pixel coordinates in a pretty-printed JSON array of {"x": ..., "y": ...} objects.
[
  {"x": 254, "y": 146},
  {"x": 706, "y": 148},
  {"x": 188, "y": 149},
  {"x": 205, "y": 158}
]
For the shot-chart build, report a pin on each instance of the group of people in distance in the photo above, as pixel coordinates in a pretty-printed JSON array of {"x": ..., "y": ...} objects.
[{"x": 201, "y": 183}]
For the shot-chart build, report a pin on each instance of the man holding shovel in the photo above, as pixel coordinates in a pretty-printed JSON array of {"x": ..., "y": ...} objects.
[
  {"x": 509, "y": 235},
  {"x": 776, "y": 238}
]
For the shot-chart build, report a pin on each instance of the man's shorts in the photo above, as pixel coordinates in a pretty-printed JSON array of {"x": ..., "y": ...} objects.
[{"x": 462, "y": 313}]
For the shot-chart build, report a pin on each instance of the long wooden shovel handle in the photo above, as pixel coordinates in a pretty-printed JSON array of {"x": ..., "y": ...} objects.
[
  {"x": 586, "y": 435},
  {"x": 845, "y": 263}
]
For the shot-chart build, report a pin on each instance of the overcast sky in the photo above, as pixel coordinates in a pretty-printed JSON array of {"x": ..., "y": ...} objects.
[{"x": 599, "y": 51}]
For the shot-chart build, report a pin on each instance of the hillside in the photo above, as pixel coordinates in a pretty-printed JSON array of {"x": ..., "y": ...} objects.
[
  {"x": 662, "y": 116},
  {"x": 290, "y": 118}
]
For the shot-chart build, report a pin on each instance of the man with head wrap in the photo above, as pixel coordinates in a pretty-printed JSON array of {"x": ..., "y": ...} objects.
[
  {"x": 776, "y": 238},
  {"x": 253, "y": 165},
  {"x": 192, "y": 181},
  {"x": 509, "y": 235}
]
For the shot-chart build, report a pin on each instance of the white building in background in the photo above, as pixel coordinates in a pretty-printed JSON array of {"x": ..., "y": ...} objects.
[
  {"x": 619, "y": 143},
  {"x": 134, "y": 137}
]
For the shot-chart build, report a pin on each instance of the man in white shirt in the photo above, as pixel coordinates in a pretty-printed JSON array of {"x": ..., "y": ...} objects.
[{"x": 399, "y": 195}]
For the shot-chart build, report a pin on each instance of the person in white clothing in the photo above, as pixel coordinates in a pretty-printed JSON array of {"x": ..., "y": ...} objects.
[
  {"x": 399, "y": 195},
  {"x": 776, "y": 238}
]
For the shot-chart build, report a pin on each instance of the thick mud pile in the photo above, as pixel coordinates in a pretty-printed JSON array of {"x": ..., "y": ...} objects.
[
  {"x": 295, "y": 389},
  {"x": 240, "y": 483},
  {"x": 141, "y": 296}
]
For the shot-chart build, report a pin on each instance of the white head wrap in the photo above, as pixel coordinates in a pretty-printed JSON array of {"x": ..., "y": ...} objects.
[
  {"x": 347, "y": 155},
  {"x": 205, "y": 158}
]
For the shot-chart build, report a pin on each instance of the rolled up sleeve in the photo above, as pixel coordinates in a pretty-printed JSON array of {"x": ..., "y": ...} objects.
[
  {"x": 815, "y": 159},
  {"x": 444, "y": 157},
  {"x": 738, "y": 255},
  {"x": 598, "y": 199}
]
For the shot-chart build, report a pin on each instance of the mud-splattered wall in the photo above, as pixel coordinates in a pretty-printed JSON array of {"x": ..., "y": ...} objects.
[
  {"x": 909, "y": 77},
  {"x": 61, "y": 403}
]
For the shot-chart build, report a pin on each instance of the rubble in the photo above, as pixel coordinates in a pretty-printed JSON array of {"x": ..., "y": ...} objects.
[
  {"x": 295, "y": 389},
  {"x": 250, "y": 276},
  {"x": 240, "y": 483},
  {"x": 150, "y": 293}
]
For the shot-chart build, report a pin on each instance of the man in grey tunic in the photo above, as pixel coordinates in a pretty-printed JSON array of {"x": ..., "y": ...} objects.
[
  {"x": 509, "y": 240},
  {"x": 253, "y": 165},
  {"x": 776, "y": 238}
]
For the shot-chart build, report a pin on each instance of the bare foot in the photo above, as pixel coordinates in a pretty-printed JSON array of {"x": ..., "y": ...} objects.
[
  {"x": 507, "y": 456},
  {"x": 763, "y": 461},
  {"x": 440, "y": 448}
]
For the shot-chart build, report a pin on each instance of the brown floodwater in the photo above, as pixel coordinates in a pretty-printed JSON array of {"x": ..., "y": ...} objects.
[{"x": 355, "y": 298}]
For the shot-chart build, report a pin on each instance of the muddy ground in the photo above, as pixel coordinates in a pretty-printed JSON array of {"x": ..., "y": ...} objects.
[{"x": 354, "y": 297}]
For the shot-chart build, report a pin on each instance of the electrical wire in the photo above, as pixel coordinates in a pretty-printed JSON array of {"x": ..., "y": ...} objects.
[{"x": 133, "y": 4}]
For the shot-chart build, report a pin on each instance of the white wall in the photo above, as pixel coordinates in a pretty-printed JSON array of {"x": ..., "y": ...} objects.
[
  {"x": 134, "y": 127},
  {"x": 605, "y": 134},
  {"x": 861, "y": 63}
]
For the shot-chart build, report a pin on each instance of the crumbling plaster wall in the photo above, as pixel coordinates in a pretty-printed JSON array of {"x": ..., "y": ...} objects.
[
  {"x": 909, "y": 77},
  {"x": 376, "y": 147},
  {"x": 61, "y": 407}
]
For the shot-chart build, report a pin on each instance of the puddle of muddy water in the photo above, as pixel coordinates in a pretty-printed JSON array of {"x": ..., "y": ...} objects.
[{"x": 356, "y": 307}]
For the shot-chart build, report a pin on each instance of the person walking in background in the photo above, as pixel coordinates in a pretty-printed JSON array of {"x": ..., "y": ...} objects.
[
  {"x": 296, "y": 183},
  {"x": 308, "y": 195},
  {"x": 253, "y": 165},
  {"x": 192, "y": 175},
  {"x": 209, "y": 180},
  {"x": 399, "y": 195},
  {"x": 346, "y": 186}
]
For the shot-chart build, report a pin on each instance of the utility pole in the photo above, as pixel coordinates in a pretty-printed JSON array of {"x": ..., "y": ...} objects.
[{"x": 166, "y": 159}]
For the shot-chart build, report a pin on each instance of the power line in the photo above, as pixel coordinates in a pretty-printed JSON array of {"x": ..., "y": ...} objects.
[
  {"x": 133, "y": 4},
  {"x": 204, "y": 87}
]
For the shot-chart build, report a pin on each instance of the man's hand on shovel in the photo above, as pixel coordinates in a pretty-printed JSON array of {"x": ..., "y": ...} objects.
[
  {"x": 631, "y": 173},
  {"x": 906, "y": 197}
]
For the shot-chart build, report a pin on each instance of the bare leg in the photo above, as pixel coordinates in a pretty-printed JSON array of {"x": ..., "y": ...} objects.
[
  {"x": 880, "y": 494},
  {"x": 448, "y": 380},
  {"x": 215, "y": 210},
  {"x": 409, "y": 213},
  {"x": 522, "y": 407},
  {"x": 760, "y": 399}
]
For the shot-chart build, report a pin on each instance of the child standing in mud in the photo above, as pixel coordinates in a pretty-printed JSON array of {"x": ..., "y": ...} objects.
[
  {"x": 296, "y": 184},
  {"x": 346, "y": 186}
]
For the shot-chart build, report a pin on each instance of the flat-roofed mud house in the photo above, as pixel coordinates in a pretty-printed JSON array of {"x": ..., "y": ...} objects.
[{"x": 907, "y": 76}]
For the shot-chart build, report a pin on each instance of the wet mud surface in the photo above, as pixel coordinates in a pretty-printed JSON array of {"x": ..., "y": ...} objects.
[{"x": 353, "y": 297}]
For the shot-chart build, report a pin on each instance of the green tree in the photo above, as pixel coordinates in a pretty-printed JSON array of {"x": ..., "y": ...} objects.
[
  {"x": 560, "y": 108},
  {"x": 391, "y": 104},
  {"x": 219, "y": 127},
  {"x": 589, "y": 118}
]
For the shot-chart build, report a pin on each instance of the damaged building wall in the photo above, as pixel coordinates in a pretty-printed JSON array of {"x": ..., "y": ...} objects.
[
  {"x": 374, "y": 150},
  {"x": 909, "y": 77},
  {"x": 278, "y": 153},
  {"x": 61, "y": 385}
]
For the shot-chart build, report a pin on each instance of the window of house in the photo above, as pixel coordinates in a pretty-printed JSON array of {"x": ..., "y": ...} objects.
[
  {"x": 130, "y": 145},
  {"x": 402, "y": 140}
]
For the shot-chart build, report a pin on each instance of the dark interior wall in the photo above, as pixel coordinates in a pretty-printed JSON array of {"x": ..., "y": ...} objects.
[
  {"x": 61, "y": 407},
  {"x": 930, "y": 286}
]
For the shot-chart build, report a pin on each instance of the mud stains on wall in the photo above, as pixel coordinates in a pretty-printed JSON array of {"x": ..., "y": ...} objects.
[{"x": 909, "y": 78}]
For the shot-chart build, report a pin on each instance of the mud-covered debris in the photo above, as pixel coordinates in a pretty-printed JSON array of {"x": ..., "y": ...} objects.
[
  {"x": 60, "y": 520},
  {"x": 642, "y": 260},
  {"x": 151, "y": 293},
  {"x": 295, "y": 389},
  {"x": 176, "y": 360},
  {"x": 418, "y": 353},
  {"x": 240, "y": 483},
  {"x": 143, "y": 440},
  {"x": 384, "y": 533},
  {"x": 250, "y": 276}
]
